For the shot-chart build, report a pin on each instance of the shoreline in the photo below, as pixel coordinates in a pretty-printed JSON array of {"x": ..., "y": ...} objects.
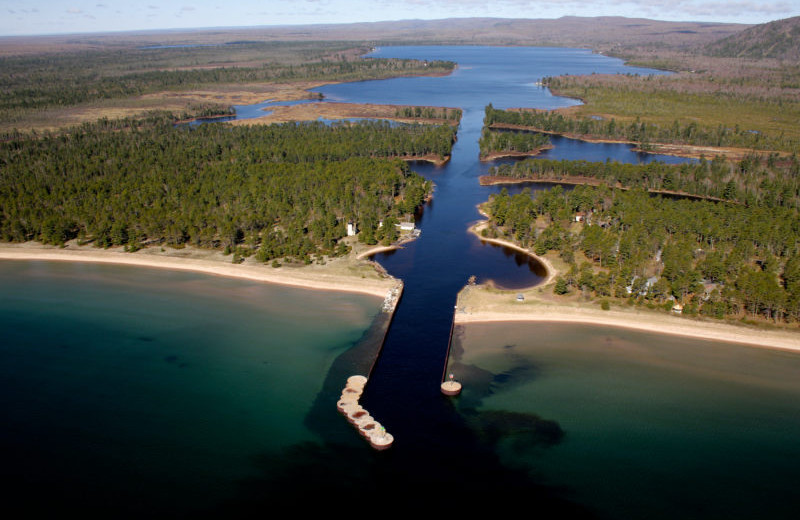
[
  {"x": 488, "y": 304},
  {"x": 349, "y": 277},
  {"x": 499, "y": 180},
  {"x": 485, "y": 304},
  {"x": 375, "y": 250},
  {"x": 335, "y": 110},
  {"x": 688, "y": 151},
  {"x": 552, "y": 272},
  {"x": 502, "y": 309},
  {"x": 508, "y": 154}
]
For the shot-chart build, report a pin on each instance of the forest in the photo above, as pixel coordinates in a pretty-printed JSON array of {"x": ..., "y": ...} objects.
[
  {"x": 274, "y": 191},
  {"x": 31, "y": 83},
  {"x": 495, "y": 143},
  {"x": 637, "y": 130},
  {"x": 717, "y": 259},
  {"x": 756, "y": 180},
  {"x": 449, "y": 114}
]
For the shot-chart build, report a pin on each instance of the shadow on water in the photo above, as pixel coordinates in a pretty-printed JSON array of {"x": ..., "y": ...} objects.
[
  {"x": 459, "y": 475},
  {"x": 312, "y": 478},
  {"x": 458, "y": 472}
]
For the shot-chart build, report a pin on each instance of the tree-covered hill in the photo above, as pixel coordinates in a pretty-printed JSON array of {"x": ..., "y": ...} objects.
[{"x": 779, "y": 40}]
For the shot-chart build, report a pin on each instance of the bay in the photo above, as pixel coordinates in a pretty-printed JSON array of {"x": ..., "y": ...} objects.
[
  {"x": 651, "y": 426},
  {"x": 152, "y": 389}
]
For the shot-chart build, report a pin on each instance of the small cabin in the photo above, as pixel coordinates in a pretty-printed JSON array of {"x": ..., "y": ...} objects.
[
  {"x": 406, "y": 226},
  {"x": 351, "y": 229},
  {"x": 580, "y": 216}
]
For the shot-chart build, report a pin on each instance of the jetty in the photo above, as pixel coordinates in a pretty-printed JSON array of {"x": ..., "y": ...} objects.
[
  {"x": 358, "y": 416},
  {"x": 348, "y": 405},
  {"x": 391, "y": 299},
  {"x": 449, "y": 385}
]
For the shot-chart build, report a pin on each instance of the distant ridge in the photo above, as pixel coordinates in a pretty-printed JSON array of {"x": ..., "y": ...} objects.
[
  {"x": 779, "y": 40},
  {"x": 601, "y": 33}
]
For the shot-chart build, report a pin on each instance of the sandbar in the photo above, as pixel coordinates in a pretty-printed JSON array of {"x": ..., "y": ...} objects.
[{"x": 338, "y": 274}]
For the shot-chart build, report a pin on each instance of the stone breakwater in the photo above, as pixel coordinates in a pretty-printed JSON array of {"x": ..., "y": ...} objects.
[
  {"x": 391, "y": 299},
  {"x": 357, "y": 415}
]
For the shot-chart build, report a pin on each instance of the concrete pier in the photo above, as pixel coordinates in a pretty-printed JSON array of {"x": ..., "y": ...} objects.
[{"x": 451, "y": 386}]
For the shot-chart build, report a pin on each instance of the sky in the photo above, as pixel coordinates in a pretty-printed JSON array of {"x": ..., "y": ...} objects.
[{"x": 24, "y": 17}]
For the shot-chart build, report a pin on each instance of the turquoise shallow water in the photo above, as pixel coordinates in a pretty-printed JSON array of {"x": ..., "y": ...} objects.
[
  {"x": 650, "y": 426},
  {"x": 157, "y": 388},
  {"x": 152, "y": 393}
]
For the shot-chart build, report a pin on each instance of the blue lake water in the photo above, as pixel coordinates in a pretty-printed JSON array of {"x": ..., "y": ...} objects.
[{"x": 175, "y": 400}]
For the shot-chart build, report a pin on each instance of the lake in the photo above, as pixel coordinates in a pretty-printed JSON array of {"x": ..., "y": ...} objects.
[
  {"x": 646, "y": 426},
  {"x": 151, "y": 392}
]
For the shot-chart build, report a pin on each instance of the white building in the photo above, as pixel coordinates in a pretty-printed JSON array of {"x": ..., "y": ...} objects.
[{"x": 406, "y": 226}]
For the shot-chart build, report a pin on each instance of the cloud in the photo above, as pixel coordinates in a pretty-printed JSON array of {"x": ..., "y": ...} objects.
[
  {"x": 187, "y": 8},
  {"x": 73, "y": 10},
  {"x": 665, "y": 6},
  {"x": 725, "y": 8}
]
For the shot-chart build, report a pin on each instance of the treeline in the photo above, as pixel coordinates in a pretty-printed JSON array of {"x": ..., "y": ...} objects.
[
  {"x": 755, "y": 180},
  {"x": 275, "y": 191},
  {"x": 451, "y": 114},
  {"x": 500, "y": 142},
  {"x": 645, "y": 134},
  {"x": 717, "y": 259},
  {"x": 33, "y": 82},
  {"x": 315, "y": 141}
]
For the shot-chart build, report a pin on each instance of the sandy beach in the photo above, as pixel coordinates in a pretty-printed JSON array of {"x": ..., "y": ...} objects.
[
  {"x": 484, "y": 304},
  {"x": 339, "y": 274},
  {"x": 487, "y": 304},
  {"x": 552, "y": 272}
]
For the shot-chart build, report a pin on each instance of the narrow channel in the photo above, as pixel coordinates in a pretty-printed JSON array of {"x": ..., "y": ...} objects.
[{"x": 435, "y": 454}]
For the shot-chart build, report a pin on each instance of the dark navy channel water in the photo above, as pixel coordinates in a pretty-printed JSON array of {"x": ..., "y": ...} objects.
[
  {"x": 169, "y": 394},
  {"x": 438, "y": 445}
]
